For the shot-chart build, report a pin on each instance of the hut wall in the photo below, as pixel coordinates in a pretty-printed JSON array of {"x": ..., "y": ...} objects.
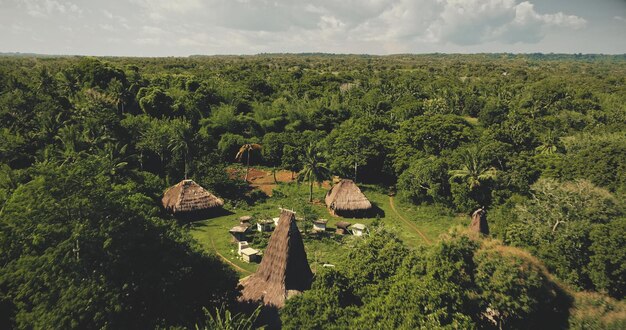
[{"x": 319, "y": 226}]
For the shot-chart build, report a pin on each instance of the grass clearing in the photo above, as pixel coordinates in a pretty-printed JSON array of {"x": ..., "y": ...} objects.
[{"x": 323, "y": 248}]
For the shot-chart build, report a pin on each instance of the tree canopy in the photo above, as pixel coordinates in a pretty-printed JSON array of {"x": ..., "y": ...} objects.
[{"x": 87, "y": 146}]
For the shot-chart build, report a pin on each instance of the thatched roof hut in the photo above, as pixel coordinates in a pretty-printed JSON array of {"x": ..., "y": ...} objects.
[
  {"x": 245, "y": 218},
  {"x": 342, "y": 224},
  {"x": 187, "y": 197},
  {"x": 320, "y": 225},
  {"x": 479, "y": 222},
  {"x": 358, "y": 229},
  {"x": 345, "y": 197},
  {"x": 284, "y": 269},
  {"x": 342, "y": 227},
  {"x": 239, "y": 233}
]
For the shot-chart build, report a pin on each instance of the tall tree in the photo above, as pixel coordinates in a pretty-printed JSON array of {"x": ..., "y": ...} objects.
[
  {"x": 474, "y": 169},
  {"x": 313, "y": 169},
  {"x": 181, "y": 140},
  {"x": 247, "y": 149},
  {"x": 119, "y": 93},
  {"x": 291, "y": 159},
  {"x": 357, "y": 146}
]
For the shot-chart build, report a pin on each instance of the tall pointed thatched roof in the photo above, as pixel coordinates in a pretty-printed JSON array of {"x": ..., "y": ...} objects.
[
  {"x": 479, "y": 222},
  {"x": 188, "y": 196},
  {"x": 284, "y": 269},
  {"x": 346, "y": 196}
]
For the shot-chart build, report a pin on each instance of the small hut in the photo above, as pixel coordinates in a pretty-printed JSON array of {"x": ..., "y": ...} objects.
[
  {"x": 245, "y": 219},
  {"x": 320, "y": 225},
  {"x": 247, "y": 253},
  {"x": 264, "y": 225},
  {"x": 188, "y": 198},
  {"x": 479, "y": 222},
  {"x": 284, "y": 270},
  {"x": 342, "y": 227},
  {"x": 346, "y": 199},
  {"x": 239, "y": 233},
  {"x": 358, "y": 229}
]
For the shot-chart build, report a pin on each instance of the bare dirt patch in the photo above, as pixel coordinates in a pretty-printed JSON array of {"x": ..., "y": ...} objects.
[{"x": 264, "y": 179}]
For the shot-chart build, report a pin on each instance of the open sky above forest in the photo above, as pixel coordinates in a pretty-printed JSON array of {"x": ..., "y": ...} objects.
[{"x": 188, "y": 27}]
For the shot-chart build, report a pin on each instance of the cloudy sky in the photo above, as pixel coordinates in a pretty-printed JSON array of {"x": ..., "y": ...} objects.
[{"x": 187, "y": 27}]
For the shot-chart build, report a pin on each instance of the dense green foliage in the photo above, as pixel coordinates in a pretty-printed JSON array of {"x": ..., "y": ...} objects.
[
  {"x": 568, "y": 225},
  {"x": 87, "y": 146},
  {"x": 85, "y": 248},
  {"x": 456, "y": 283}
]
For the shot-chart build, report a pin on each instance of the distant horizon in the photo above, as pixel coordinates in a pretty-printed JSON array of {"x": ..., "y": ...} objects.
[{"x": 26, "y": 54}]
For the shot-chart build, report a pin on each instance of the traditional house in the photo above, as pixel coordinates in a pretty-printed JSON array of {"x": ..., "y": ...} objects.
[
  {"x": 342, "y": 227},
  {"x": 479, "y": 222},
  {"x": 284, "y": 269},
  {"x": 320, "y": 225},
  {"x": 358, "y": 229},
  {"x": 247, "y": 253},
  {"x": 245, "y": 219},
  {"x": 346, "y": 199},
  {"x": 239, "y": 233},
  {"x": 264, "y": 225},
  {"x": 189, "y": 199}
]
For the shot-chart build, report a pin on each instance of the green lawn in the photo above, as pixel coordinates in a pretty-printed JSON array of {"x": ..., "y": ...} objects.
[{"x": 212, "y": 234}]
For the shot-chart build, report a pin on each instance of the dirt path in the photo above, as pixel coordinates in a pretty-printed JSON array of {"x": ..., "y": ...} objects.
[
  {"x": 409, "y": 223},
  {"x": 228, "y": 261}
]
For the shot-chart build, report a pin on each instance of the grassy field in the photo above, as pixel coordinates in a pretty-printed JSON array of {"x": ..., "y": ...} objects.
[{"x": 415, "y": 225}]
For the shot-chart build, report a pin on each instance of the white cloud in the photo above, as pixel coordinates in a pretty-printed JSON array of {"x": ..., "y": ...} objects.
[
  {"x": 468, "y": 22},
  {"x": 247, "y": 26},
  {"x": 154, "y": 30},
  {"x": 44, "y": 8},
  {"x": 107, "y": 14},
  {"x": 525, "y": 14},
  {"x": 19, "y": 28},
  {"x": 329, "y": 22},
  {"x": 164, "y": 10},
  {"x": 107, "y": 27},
  {"x": 148, "y": 41},
  {"x": 395, "y": 24}
]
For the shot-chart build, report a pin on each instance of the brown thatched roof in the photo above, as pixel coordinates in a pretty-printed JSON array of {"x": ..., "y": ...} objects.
[
  {"x": 245, "y": 218},
  {"x": 239, "y": 229},
  {"x": 479, "y": 222},
  {"x": 346, "y": 196},
  {"x": 284, "y": 269},
  {"x": 188, "y": 196}
]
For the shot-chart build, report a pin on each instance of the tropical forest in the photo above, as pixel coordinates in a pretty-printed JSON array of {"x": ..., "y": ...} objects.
[{"x": 313, "y": 191}]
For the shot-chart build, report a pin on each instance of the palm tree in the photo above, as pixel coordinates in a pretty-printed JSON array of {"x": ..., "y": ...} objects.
[
  {"x": 180, "y": 141},
  {"x": 247, "y": 148},
  {"x": 473, "y": 170},
  {"x": 46, "y": 81},
  {"x": 71, "y": 143},
  {"x": 118, "y": 94},
  {"x": 68, "y": 83},
  {"x": 313, "y": 169},
  {"x": 549, "y": 144},
  {"x": 114, "y": 154}
]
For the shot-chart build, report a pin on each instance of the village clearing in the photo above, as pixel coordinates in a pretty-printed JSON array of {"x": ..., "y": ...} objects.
[{"x": 415, "y": 225}]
